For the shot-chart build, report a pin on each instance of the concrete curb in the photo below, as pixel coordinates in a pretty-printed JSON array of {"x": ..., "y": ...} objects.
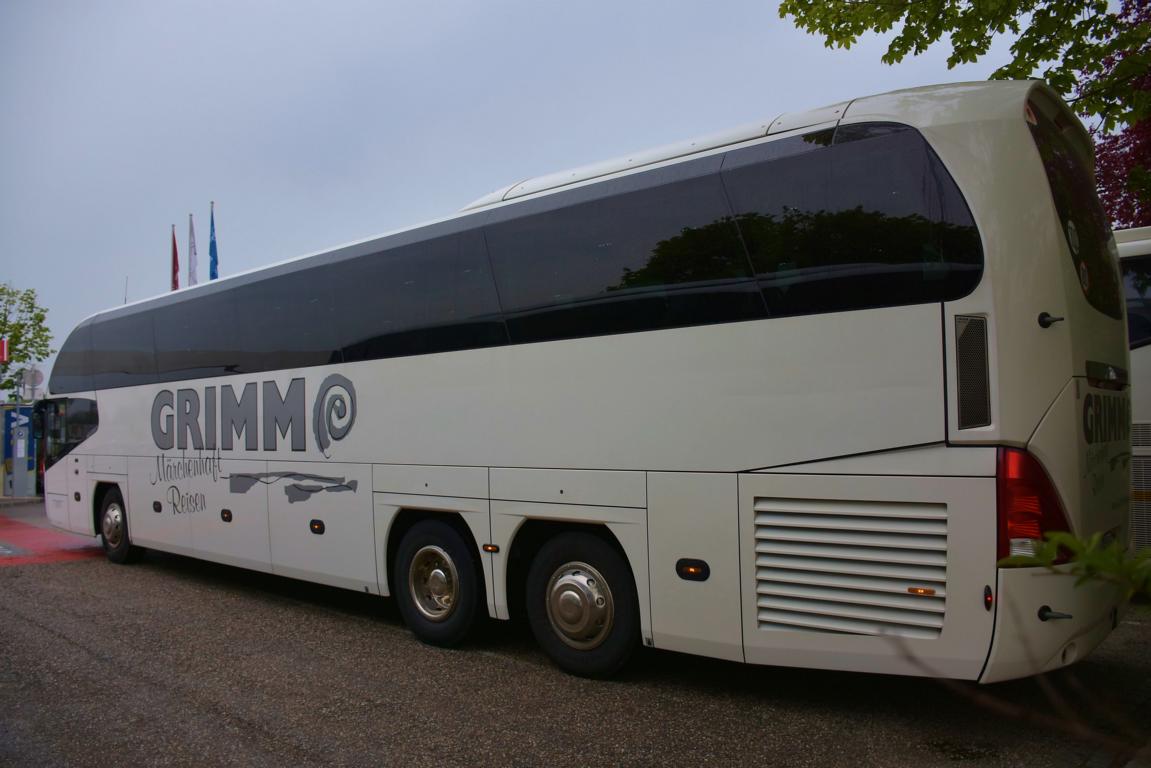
[{"x": 11, "y": 501}]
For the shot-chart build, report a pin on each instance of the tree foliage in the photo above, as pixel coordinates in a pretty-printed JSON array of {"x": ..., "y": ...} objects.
[
  {"x": 1097, "y": 57},
  {"x": 1059, "y": 39},
  {"x": 1092, "y": 560},
  {"x": 1123, "y": 157},
  {"x": 1123, "y": 172},
  {"x": 22, "y": 322}
]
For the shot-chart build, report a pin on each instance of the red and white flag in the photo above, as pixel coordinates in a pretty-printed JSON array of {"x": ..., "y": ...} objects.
[{"x": 3, "y": 350}]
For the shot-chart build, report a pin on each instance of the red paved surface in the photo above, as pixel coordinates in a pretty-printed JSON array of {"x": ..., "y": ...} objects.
[{"x": 24, "y": 544}]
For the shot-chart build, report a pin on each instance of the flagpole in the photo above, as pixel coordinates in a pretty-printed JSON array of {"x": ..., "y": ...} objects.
[{"x": 193, "y": 266}]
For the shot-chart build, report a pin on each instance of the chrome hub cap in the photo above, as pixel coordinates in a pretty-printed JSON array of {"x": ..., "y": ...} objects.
[
  {"x": 434, "y": 583},
  {"x": 112, "y": 525},
  {"x": 580, "y": 607}
]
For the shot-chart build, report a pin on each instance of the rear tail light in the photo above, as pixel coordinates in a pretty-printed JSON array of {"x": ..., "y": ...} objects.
[{"x": 1028, "y": 504}]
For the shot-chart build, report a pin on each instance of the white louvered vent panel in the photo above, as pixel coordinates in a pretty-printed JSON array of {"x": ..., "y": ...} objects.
[
  {"x": 850, "y": 567},
  {"x": 1141, "y": 435},
  {"x": 1141, "y": 501}
]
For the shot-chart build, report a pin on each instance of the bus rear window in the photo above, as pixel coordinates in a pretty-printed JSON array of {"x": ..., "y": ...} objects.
[{"x": 1085, "y": 225}]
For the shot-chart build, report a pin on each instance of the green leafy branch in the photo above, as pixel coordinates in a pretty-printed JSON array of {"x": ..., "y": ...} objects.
[
  {"x": 1062, "y": 41},
  {"x": 1092, "y": 560},
  {"x": 24, "y": 323}
]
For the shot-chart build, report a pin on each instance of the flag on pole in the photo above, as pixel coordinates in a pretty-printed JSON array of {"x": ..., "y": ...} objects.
[
  {"x": 3, "y": 350},
  {"x": 213, "y": 254},
  {"x": 191, "y": 252},
  {"x": 175, "y": 261}
]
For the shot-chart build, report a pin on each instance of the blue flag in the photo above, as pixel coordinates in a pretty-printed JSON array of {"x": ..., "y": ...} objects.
[{"x": 213, "y": 255}]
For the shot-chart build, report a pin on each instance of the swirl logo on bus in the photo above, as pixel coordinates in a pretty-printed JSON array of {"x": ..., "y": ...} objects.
[
  {"x": 334, "y": 412},
  {"x": 255, "y": 418}
]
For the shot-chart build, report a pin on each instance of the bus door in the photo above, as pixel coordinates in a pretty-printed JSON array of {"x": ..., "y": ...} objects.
[
  {"x": 48, "y": 426},
  {"x": 61, "y": 425}
]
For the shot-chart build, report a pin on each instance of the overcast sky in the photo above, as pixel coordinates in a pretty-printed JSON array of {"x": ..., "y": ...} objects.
[{"x": 313, "y": 124}]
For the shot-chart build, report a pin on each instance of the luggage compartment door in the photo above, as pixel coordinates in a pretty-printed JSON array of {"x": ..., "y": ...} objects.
[{"x": 321, "y": 523}]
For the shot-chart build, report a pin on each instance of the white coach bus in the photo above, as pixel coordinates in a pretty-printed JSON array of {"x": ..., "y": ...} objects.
[
  {"x": 1135, "y": 262},
  {"x": 783, "y": 396}
]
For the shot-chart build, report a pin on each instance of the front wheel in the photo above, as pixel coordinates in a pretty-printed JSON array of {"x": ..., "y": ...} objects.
[
  {"x": 582, "y": 606},
  {"x": 438, "y": 583},
  {"x": 114, "y": 529}
]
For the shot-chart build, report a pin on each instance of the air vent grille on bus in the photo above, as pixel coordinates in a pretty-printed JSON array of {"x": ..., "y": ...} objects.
[
  {"x": 851, "y": 567},
  {"x": 1141, "y": 501},
  {"x": 1141, "y": 435},
  {"x": 971, "y": 369}
]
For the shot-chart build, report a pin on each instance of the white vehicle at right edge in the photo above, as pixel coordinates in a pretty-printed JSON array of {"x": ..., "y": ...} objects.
[{"x": 1135, "y": 262}]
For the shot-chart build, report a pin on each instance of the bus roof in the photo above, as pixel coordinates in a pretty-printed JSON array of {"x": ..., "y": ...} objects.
[{"x": 681, "y": 150}]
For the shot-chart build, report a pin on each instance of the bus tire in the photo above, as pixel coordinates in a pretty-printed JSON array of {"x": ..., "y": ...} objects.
[
  {"x": 438, "y": 583},
  {"x": 582, "y": 606},
  {"x": 114, "y": 529}
]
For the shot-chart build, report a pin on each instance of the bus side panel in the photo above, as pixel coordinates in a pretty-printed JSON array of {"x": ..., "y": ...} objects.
[
  {"x": 56, "y": 506},
  {"x": 834, "y": 384},
  {"x": 56, "y": 494},
  {"x": 321, "y": 523},
  {"x": 695, "y": 516},
  {"x": 232, "y": 524},
  {"x": 868, "y": 573},
  {"x": 156, "y": 516},
  {"x": 79, "y": 494},
  {"x": 66, "y": 494}
]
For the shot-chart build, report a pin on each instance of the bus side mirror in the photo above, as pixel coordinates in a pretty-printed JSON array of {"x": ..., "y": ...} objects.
[{"x": 38, "y": 423}]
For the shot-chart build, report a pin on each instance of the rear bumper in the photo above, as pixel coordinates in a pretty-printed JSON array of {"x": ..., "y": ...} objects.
[{"x": 1023, "y": 644}]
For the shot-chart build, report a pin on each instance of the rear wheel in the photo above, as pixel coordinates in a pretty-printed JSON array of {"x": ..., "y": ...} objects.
[
  {"x": 438, "y": 583},
  {"x": 114, "y": 529},
  {"x": 582, "y": 606}
]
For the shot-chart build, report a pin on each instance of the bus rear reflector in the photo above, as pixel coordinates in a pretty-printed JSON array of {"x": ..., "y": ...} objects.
[{"x": 1028, "y": 504}]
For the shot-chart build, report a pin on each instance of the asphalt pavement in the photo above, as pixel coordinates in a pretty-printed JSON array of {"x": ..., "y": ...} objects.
[{"x": 173, "y": 661}]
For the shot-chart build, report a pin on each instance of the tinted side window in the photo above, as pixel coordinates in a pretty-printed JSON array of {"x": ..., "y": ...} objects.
[
  {"x": 72, "y": 371},
  {"x": 82, "y": 420},
  {"x": 123, "y": 351},
  {"x": 871, "y": 219},
  {"x": 433, "y": 296},
  {"x": 656, "y": 250},
  {"x": 197, "y": 338},
  {"x": 287, "y": 321},
  {"x": 1136, "y": 287}
]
